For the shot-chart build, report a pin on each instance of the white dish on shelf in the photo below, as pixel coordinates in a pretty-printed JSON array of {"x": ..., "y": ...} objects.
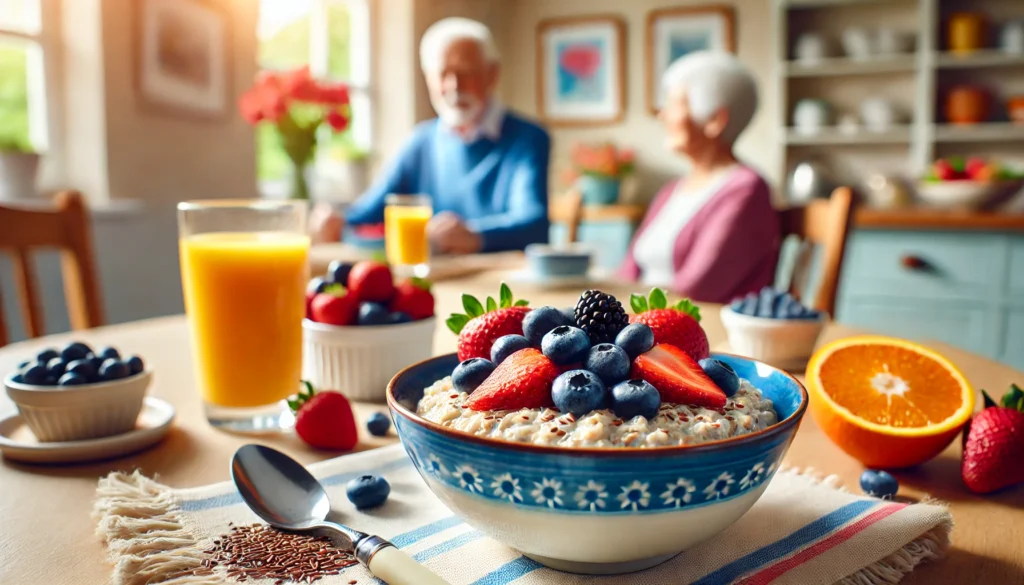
[
  {"x": 19, "y": 444},
  {"x": 963, "y": 194}
]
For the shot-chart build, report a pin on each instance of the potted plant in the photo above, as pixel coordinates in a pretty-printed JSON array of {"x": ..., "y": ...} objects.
[
  {"x": 297, "y": 105},
  {"x": 598, "y": 171},
  {"x": 19, "y": 166}
]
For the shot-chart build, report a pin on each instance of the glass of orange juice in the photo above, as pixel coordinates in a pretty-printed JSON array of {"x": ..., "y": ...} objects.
[
  {"x": 244, "y": 271},
  {"x": 405, "y": 233}
]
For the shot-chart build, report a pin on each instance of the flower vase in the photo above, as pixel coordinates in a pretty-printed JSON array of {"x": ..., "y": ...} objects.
[
  {"x": 598, "y": 190},
  {"x": 300, "y": 182}
]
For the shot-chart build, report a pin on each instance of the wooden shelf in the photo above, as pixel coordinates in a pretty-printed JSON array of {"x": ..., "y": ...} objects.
[
  {"x": 897, "y": 135},
  {"x": 845, "y": 66},
  {"x": 817, "y": 3},
  {"x": 984, "y": 58},
  {"x": 560, "y": 210},
  {"x": 986, "y": 132},
  {"x": 922, "y": 218}
]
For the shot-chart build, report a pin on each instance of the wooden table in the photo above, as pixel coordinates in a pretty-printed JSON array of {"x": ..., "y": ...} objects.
[
  {"x": 441, "y": 267},
  {"x": 48, "y": 537}
]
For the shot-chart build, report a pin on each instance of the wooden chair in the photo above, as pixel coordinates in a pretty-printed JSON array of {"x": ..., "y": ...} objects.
[
  {"x": 823, "y": 223},
  {"x": 66, "y": 228}
]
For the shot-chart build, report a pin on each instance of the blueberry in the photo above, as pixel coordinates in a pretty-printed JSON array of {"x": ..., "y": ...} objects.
[
  {"x": 55, "y": 367},
  {"x": 109, "y": 352},
  {"x": 766, "y": 303},
  {"x": 372, "y": 314},
  {"x": 635, "y": 339},
  {"x": 83, "y": 368},
  {"x": 737, "y": 305},
  {"x": 316, "y": 285},
  {"x": 18, "y": 379},
  {"x": 46, "y": 355},
  {"x": 579, "y": 392},
  {"x": 539, "y": 321},
  {"x": 566, "y": 345},
  {"x": 378, "y": 424},
  {"x": 609, "y": 362},
  {"x": 570, "y": 314},
  {"x": 113, "y": 369},
  {"x": 337, "y": 272},
  {"x": 471, "y": 373},
  {"x": 367, "y": 491},
  {"x": 96, "y": 361},
  {"x": 749, "y": 305},
  {"x": 135, "y": 365},
  {"x": 26, "y": 365},
  {"x": 35, "y": 375},
  {"x": 50, "y": 381},
  {"x": 507, "y": 345},
  {"x": 72, "y": 379},
  {"x": 880, "y": 484},
  {"x": 75, "y": 351},
  {"x": 721, "y": 374},
  {"x": 782, "y": 301},
  {"x": 398, "y": 318},
  {"x": 635, "y": 398}
]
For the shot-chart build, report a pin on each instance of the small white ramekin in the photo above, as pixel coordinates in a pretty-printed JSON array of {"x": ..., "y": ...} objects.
[
  {"x": 359, "y": 361},
  {"x": 75, "y": 413},
  {"x": 783, "y": 343}
]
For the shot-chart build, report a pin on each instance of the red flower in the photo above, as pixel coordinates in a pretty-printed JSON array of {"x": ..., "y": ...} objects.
[
  {"x": 264, "y": 101},
  {"x": 337, "y": 120},
  {"x": 335, "y": 94}
]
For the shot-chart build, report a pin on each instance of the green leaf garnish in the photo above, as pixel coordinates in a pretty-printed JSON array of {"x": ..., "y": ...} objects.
[
  {"x": 638, "y": 303},
  {"x": 335, "y": 289},
  {"x": 987, "y": 401},
  {"x": 491, "y": 304},
  {"x": 1014, "y": 399},
  {"x": 521, "y": 303},
  {"x": 472, "y": 306},
  {"x": 505, "y": 296},
  {"x": 689, "y": 308},
  {"x": 658, "y": 299},
  {"x": 456, "y": 322},
  {"x": 420, "y": 283}
]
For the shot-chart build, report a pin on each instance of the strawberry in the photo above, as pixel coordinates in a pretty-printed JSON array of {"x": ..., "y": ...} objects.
[
  {"x": 523, "y": 380},
  {"x": 334, "y": 306},
  {"x": 994, "y": 444},
  {"x": 313, "y": 287},
  {"x": 371, "y": 281},
  {"x": 479, "y": 327},
  {"x": 677, "y": 377},
  {"x": 324, "y": 420},
  {"x": 974, "y": 168},
  {"x": 412, "y": 297},
  {"x": 678, "y": 325}
]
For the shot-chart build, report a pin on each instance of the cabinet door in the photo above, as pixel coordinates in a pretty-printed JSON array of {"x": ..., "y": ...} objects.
[
  {"x": 1013, "y": 348},
  {"x": 609, "y": 240},
  {"x": 1017, "y": 266},
  {"x": 960, "y": 324}
]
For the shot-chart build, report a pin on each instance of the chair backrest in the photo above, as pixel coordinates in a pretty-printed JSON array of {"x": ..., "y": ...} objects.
[
  {"x": 823, "y": 223},
  {"x": 65, "y": 227}
]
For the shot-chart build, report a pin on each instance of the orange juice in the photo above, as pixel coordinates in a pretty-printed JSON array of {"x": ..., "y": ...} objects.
[
  {"x": 405, "y": 234},
  {"x": 244, "y": 295}
]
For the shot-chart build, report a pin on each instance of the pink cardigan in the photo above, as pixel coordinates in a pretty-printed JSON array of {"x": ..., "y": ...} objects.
[{"x": 728, "y": 249}]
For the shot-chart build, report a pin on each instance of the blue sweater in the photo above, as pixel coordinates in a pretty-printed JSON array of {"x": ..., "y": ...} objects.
[{"x": 499, "y": 188}]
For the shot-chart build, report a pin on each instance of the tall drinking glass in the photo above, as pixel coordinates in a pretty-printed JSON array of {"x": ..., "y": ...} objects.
[
  {"x": 405, "y": 233},
  {"x": 244, "y": 270}
]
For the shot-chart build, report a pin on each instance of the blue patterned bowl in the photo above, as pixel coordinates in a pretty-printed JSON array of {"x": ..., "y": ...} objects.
[{"x": 596, "y": 510}]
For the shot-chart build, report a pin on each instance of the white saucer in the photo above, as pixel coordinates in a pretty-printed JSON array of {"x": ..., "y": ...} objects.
[
  {"x": 18, "y": 443},
  {"x": 529, "y": 278}
]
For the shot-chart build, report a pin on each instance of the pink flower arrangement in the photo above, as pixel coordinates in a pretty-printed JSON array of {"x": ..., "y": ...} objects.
[
  {"x": 297, "y": 105},
  {"x": 604, "y": 161}
]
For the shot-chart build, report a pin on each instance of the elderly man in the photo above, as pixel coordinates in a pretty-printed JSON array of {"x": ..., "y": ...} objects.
[{"x": 485, "y": 168}]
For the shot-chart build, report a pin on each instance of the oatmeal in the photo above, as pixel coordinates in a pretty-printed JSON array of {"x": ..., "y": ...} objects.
[{"x": 745, "y": 412}]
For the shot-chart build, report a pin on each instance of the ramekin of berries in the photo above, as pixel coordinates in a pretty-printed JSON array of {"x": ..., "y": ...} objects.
[
  {"x": 77, "y": 392},
  {"x": 362, "y": 327},
  {"x": 774, "y": 327}
]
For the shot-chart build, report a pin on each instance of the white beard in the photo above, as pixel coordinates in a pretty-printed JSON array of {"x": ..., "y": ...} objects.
[{"x": 447, "y": 109}]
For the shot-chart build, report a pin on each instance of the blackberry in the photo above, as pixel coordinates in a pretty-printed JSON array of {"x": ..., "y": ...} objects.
[{"x": 601, "y": 316}]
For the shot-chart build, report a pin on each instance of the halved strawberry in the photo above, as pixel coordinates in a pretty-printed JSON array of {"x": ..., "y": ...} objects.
[
  {"x": 677, "y": 377},
  {"x": 523, "y": 380},
  {"x": 678, "y": 325},
  {"x": 480, "y": 326}
]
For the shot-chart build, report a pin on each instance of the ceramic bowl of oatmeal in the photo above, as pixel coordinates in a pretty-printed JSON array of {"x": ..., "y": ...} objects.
[{"x": 597, "y": 494}]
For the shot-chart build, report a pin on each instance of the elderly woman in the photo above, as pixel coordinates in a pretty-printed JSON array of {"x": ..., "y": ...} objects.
[{"x": 713, "y": 235}]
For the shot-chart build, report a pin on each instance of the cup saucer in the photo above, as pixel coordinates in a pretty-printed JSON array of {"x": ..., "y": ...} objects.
[
  {"x": 529, "y": 278},
  {"x": 19, "y": 444}
]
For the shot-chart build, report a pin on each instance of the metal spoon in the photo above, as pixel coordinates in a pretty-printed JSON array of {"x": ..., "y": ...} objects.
[{"x": 281, "y": 492}]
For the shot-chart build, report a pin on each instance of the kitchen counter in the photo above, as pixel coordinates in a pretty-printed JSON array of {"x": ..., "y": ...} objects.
[{"x": 921, "y": 218}]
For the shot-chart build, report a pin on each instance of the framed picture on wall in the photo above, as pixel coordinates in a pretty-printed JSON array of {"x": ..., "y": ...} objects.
[
  {"x": 581, "y": 70},
  {"x": 181, "y": 56},
  {"x": 675, "y": 32}
]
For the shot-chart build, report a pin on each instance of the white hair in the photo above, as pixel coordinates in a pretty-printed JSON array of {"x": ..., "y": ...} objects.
[
  {"x": 443, "y": 33},
  {"x": 712, "y": 81}
]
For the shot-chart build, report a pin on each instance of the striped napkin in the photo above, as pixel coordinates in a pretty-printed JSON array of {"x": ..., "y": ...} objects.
[{"x": 803, "y": 531}]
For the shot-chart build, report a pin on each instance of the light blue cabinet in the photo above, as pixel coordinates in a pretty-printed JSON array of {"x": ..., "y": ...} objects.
[
  {"x": 962, "y": 288},
  {"x": 609, "y": 239}
]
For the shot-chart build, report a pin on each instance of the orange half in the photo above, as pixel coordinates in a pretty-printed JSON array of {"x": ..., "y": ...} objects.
[{"x": 887, "y": 402}]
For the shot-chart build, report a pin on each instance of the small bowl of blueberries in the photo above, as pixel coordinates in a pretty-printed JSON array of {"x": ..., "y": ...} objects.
[
  {"x": 774, "y": 327},
  {"x": 75, "y": 392}
]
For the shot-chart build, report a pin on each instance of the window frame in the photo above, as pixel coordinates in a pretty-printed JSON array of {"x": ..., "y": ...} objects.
[{"x": 41, "y": 77}]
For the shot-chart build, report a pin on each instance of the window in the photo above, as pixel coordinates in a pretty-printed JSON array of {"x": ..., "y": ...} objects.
[
  {"x": 23, "y": 114},
  {"x": 332, "y": 37}
]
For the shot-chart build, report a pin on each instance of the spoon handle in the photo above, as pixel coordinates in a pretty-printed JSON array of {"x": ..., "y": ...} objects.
[{"x": 394, "y": 567}]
